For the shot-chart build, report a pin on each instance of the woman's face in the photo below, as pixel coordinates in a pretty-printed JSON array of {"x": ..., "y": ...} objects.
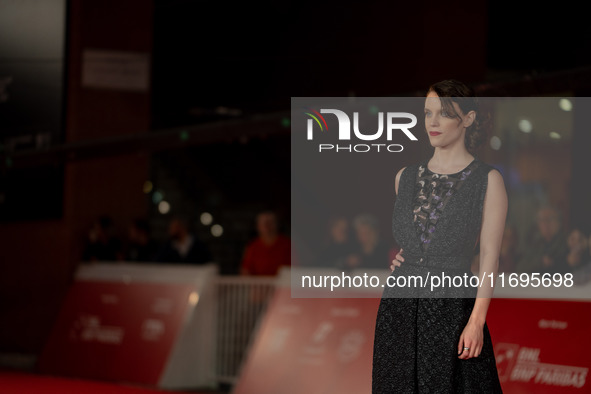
[
  {"x": 366, "y": 235},
  {"x": 444, "y": 129},
  {"x": 577, "y": 239},
  {"x": 339, "y": 231}
]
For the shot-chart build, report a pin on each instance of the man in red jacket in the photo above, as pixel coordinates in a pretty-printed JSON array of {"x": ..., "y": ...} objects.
[{"x": 271, "y": 250}]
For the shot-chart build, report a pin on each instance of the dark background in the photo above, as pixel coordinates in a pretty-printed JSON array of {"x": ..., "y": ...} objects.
[{"x": 213, "y": 128}]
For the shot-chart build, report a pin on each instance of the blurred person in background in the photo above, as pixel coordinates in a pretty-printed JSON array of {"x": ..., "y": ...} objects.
[
  {"x": 269, "y": 251},
  {"x": 141, "y": 247},
  {"x": 578, "y": 252},
  {"x": 370, "y": 252},
  {"x": 582, "y": 274},
  {"x": 548, "y": 249},
  {"x": 338, "y": 246},
  {"x": 509, "y": 255},
  {"x": 101, "y": 243},
  {"x": 183, "y": 247}
]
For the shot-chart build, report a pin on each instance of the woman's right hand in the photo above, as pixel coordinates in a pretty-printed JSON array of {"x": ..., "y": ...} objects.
[{"x": 398, "y": 261}]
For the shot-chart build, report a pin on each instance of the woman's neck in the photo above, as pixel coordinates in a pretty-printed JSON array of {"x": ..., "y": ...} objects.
[{"x": 447, "y": 159}]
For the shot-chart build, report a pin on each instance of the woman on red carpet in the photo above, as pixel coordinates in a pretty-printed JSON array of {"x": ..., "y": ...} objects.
[{"x": 438, "y": 341}]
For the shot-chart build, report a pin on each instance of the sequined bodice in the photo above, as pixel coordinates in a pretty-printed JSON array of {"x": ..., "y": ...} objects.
[{"x": 434, "y": 192}]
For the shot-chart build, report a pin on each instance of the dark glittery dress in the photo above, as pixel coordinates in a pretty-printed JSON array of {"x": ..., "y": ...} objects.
[{"x": 437, "y": 220}]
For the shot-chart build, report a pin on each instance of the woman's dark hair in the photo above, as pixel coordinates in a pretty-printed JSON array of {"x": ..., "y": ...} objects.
[{"x": 451, "y": 91}]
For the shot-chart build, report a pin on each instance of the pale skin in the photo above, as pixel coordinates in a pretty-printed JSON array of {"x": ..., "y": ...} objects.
[{"x": 450, "y": 156}]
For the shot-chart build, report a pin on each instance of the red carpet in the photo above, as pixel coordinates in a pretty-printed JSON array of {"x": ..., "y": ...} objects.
[{"x": 21, "y": 383}]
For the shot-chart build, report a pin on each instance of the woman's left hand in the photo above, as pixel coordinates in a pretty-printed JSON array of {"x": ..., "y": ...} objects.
[{"x": 473, "y": 338}]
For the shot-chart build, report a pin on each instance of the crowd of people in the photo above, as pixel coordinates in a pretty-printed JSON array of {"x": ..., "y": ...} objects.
[
  {"x": 139, "y": 246},
  {"x": 350, "y": 244},
  {"x": 262, "y": 256},
  {"x": 550, "y": 248},
  {"x": 355, "y": 244}
]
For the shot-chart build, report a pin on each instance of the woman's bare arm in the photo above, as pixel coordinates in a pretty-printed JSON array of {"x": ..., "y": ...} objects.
[
  {"x": 494, "y": 214},
  {"x": 397, "y": 180},
  {"x": 491, "y": 235},
  {"x": 396, "y": 262}
]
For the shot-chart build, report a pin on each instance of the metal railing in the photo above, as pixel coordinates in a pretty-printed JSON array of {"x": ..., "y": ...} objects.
[{"x": 242, "y": 301}]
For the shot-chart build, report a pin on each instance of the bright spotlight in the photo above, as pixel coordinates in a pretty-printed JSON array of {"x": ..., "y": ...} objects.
[
  {"x": 157, "y": 197},
  {"x": 147, "y": 187},
  {"x": 206, "y": 218},
  {"x": 217, "y": 230},
  {"x": 495, "y": 143},
  {"x": 525, "y": 126},
  {"x": 565, "y": 105},
  {"x": 163, "y": 207}
]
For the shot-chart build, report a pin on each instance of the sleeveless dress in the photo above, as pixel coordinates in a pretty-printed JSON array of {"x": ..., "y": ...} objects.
[{"x": 436, "y": 220}]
